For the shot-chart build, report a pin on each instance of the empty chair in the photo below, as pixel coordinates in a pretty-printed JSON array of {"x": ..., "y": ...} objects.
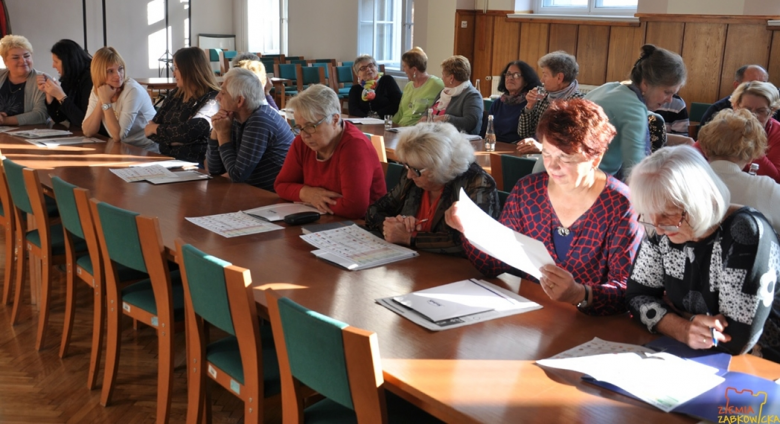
[
  {"x": 301, "y": 62},
  {"x": 325, "y": 67},
  {"x": 339, "y": 361},
  {"x": 244, "y": 362},
  {"x": 134, "y": 241},
  {"x": 342, "y": 80},
  {"x": 307, "y": 76},
  {"x": 286, "y": 71},
  {"x": 44, "y": 244}
]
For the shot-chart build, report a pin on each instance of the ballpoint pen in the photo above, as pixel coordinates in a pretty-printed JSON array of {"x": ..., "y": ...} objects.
[{"x": 712, "y": 332}]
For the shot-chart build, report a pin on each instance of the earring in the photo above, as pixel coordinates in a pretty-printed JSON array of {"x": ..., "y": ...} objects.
[{"x": 414, "y": 75}]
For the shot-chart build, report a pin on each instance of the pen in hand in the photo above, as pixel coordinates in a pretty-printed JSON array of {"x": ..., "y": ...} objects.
[{"x": 712, "y": 332}]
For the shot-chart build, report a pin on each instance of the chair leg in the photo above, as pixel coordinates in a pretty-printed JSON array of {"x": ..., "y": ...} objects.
[
  {"x": 43, "y": 311},
  {"x": 10, "y": 256},
  {"x": 113, "y": 320},
  {"x": 98, "y": 314},
  {"x": 164, "y": 372},
  {"x": 20, "y": 255},
  {"x": 70, "y": 298},
  {"x": 196, "y": 386}
]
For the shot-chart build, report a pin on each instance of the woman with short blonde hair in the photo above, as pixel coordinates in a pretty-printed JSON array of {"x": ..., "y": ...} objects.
[
  {"x": 762, "y": 100},
  {"x": 459, "y": 103},
  {"x": 21, "y": 100}
]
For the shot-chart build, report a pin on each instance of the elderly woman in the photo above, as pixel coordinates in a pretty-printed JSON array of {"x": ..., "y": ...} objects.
[
  {"x": 708, "y": 275},
  {"x": 21, "y": 101},
  {"x": 250, "y": 139},
  {"x": 252, "y": 62},
  {"x": 559, "y": 78},
  {"x": 517, "y": 79},
  {"x": 375, "y": 95},
  {"x": 331, "y": 164},
  {"x": 655, "y": 78},
  {"x": 183, "y": 123},
  {"x": 439, "y": 162},
  {"x": 118, "y": 102},
  {"x": 731, "y": 140},
  {"x": 580, "y": 213},
  {"x": 762, "y": 99},
  {"x": 419, "y": 92},
  {"x": 67, "y": 99},
  {"x": 459, "y": 103}
]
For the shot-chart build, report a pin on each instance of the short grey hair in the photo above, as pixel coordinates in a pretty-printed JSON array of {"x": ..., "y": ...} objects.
[
  {"x": 560, "y": 62},
  {"x": 363, "y": 58},
  {"x": 315, "y": 103},
  {"x": 437, "y": 147},
  {"x": 243, "y": 56},
  {"x": 764, "y": 90},
  {"x": 680, "y": 176},
  {"x": 243, "y": 82}
]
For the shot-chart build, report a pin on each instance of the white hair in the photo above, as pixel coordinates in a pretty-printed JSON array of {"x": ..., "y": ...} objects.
[
  {"x": 680, "y": 176},
  {"x": 244, "y": 83},
  {"x": 437, "y": 147},
  {"x": 315, "y": 103}
]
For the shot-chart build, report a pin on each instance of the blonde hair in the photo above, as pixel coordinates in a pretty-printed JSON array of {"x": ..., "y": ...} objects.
[
  {"x": 757, "y": 88},
  {"x": 11, "y": 41},
  {"x": 103, "y": 58},
  {"x": 256, "y": 67},
  {"x": 196, "y": 74},
  {"x": 416, "y": 58},
  {"x": 733, "y": 134},
  {"x": 457, "y": 66}
]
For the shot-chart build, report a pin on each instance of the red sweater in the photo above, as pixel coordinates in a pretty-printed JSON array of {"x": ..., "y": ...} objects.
[{"x": 353, "y": 170}]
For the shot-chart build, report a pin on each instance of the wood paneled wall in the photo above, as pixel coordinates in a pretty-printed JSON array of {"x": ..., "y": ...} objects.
[{"x": 712, "y": 47}]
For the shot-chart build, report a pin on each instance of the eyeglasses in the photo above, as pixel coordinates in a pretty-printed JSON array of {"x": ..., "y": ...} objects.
[
  {"x": 365, "y": 67},
  {"x": 416, "y": 171},
  {"x": 309, "y": 128},
  {"x": 513, "y": 75},
  {"x": 760, "y": 112},
  {"x": 650, "y": 227}
]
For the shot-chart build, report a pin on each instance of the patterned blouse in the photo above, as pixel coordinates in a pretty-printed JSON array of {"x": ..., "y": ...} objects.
[
  {"x": 733, "y": 272},
  {"x": 185, "y": 127},
  {"x": 526, "y": 125},
  {"x": 606, "y": 238}
]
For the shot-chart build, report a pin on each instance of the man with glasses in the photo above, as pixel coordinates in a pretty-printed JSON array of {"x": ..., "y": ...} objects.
[{"x": 250, "y": 139}]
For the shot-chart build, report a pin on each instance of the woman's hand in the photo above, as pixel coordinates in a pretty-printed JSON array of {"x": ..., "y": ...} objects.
[
  {"x": 399, "y": 229},
  {"x": 452, "y": 218},
  {"x": 700, "y": 331},
  {"x": 105, "y": 93},
  {"x": 533, "y": 97},
  {"x": 151, "y": 128},
  {"x": 319, "y": 197},
  {"x": 528, "y": 146},
  {"x": 559, "y": 285}
]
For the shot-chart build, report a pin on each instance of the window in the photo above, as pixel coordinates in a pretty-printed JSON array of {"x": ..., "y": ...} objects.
[
  {"x": 267, "y": 26},
  {"x": 385, "y": 30},
  {"x": 586, "y": 7}
]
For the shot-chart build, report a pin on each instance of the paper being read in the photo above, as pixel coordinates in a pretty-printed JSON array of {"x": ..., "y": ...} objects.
[{"x": 500, "y": 242}]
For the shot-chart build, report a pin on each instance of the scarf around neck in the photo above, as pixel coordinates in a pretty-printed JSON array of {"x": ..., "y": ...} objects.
[
  {"x": 566, "y": 92},
  {"x": 369, "y": 88},
  {"x": 448, "y": 93}
]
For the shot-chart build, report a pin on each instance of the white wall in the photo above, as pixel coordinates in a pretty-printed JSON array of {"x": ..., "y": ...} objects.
[
  {"x": 128, "y": 27},
  {"x": 323, "y": 29},
  {"x": 434, "y": 30}
]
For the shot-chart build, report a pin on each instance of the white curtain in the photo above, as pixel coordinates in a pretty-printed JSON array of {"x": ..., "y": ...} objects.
[{"x": 240, "y": 24}]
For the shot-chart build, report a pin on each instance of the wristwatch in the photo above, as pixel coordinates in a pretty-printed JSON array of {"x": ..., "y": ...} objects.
[
  {"x": 584, "y": 302},
  {"x": 106, "y": 106}
]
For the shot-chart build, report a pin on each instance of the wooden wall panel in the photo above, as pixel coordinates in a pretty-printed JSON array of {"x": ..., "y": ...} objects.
[
  {"x": 563, "y": 37},
  {"x": 506, "y": 43},
  {"x": 702, "y": 52},
  {"x": 774, "y": 60},
  {"x": 624, "y": 45},
  {"x": 745, "y": 44},
  {"x": 668, "y": 35},
  {"x": 533, "y": 43},
  {"x": 464, "y": 37},
  {"x": 592, "y": 54},
  {"x": 483, "y": 51}
]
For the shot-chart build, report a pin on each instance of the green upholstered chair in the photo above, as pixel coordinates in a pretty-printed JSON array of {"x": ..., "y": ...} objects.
[
  {"x": 336, "y": 360},
  {"x": 244, "y": 362},
  {"x": 325, "y": 67},
  {"x": 287, "y": 71},
  {"x": 44, "y": 244},
  {"x": 289, "y": 58},
  {"x": 302, "y": 62},
  {"x": 77, "y": 223},
  {"x": 307, "y": 75},
  {"x": 7, "y": 222},
  {"x": 513, "y": 168},
  {"x": 393, "y": 174},
  {"x": 135, "y": 242},
  {"x": 342, "y": 80},
  {"x": 697, "y": 112}
]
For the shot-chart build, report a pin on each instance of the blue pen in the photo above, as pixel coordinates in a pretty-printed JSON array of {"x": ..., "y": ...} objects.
[{"x": 712, "y": 331}]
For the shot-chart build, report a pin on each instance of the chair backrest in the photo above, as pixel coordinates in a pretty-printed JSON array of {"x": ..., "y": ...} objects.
[
  {"x": 325, "y": 66},
  {"x": 66, "y": 203},
  {"x": 294, "y": 58},
  {"x": 302, "y": 62},
  {"x": 329, "y": 61},
  {"x": 73, "y": 204},
  {"x": 513, "y": 168},
  {"x": 379, "y": 145},
  {"x": 119, "y": 236},
  {"x": 285, "y": 70},
  {"x": 340, "y": 362},
  {"x": 393, "y": 174},
  {"x": 204, "y": 278},
  {"x": 15, "y": 178},
  {"x": 6, "y": 204},
  {"x": 342, "y": 75},
  {"x": 214, "y": 55},
  {"x": 269, "y": 65},
  {"x": 309, "y": 75},
  {"x": 348, "y": 64},
  {"x": 697, "y": 111}
]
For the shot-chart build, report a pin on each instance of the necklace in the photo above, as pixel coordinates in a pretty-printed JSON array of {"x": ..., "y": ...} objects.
[{"x": 12, "y": 91}]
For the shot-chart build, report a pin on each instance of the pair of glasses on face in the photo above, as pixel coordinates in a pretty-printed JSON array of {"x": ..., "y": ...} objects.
[
  {"x": 309, "y": 128},
  {"x": 513, "y": 75},
  {"x": 650, "y": 227},
  {"x": 416, "y": 171},
  {"x": 760, "y": 112},
  {"x": 366, "y": 67}
]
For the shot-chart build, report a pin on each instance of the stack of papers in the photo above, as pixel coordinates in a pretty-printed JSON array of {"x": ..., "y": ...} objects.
[
  {"x": 40, "y": 133},
  {"x": 366, "y": 121},
  {"x": 277, "y": 212},
  {"x": 170, "y": 164},
  {"x": 63, "y": 141},
  {"x": 354, "y": 248},
  {"x": 458, "y": 304},
  {"x": 234, "y": 224},
  {"x": 136, "y": 174}
]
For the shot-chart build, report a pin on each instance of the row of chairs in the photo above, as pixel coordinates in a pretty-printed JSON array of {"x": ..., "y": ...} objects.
[{"x": 120, "y": 255}]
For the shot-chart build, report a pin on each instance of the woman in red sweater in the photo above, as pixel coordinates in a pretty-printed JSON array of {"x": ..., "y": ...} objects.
[
  {"x": 331, "y": 165},
  {"x": 762, "y": 99}
]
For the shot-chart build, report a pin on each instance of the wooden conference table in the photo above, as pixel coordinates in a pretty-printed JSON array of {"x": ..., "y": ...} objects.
[{"x": 479, "y": 373}]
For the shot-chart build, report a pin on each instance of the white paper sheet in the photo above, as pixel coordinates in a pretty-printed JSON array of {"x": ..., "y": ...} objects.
[
  {"x": 279, "y": 211},
  {"x": 168, "y": 164},
  {"x": 598, "y": 346},
  {"x": 355, "y": 248},
  {"x": 179, "y": 177},
  {"x": 132, "y": 175},
  {"x": 488, "y": 235},
  {"x": 40, "y": 133},
  {"x": 64, "y": 141},
  {"x": 366, "y": 121},
  {"x": 233, "y": 224},
  {"x": 454, "y": 300}
]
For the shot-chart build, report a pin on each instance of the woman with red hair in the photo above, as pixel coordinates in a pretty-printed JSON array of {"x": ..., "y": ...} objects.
[{"x": 580, "y": 213}]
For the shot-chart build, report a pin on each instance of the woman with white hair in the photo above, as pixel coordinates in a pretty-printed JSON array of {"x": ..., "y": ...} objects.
[
  {"x": 707, "y": 273},
  {"x": 250, "y": 140},
  {"x": 376, "y": 94},
  {"x": 439, "y": 162},
  {"x": 331, "y": 164}
]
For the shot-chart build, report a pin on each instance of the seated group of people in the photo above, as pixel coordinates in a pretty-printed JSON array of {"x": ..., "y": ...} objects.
[{"x": 680, "y": 247}]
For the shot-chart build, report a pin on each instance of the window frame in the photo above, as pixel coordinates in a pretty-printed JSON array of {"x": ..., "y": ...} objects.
[
  {"x": 403, "y": 30},
  {"x": 591, "y": 9}
]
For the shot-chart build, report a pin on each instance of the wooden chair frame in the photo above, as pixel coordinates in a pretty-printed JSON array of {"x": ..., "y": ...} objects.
[
  {"x": 299, "y": 81},
  {"x": 7, "y": 222}
]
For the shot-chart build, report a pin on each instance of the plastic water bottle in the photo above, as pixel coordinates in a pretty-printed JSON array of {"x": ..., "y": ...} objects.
[
  {"x": 430, "y": 114},
  {"x": 753, "y": 169},
  {"x": 490, "y": 136}
]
